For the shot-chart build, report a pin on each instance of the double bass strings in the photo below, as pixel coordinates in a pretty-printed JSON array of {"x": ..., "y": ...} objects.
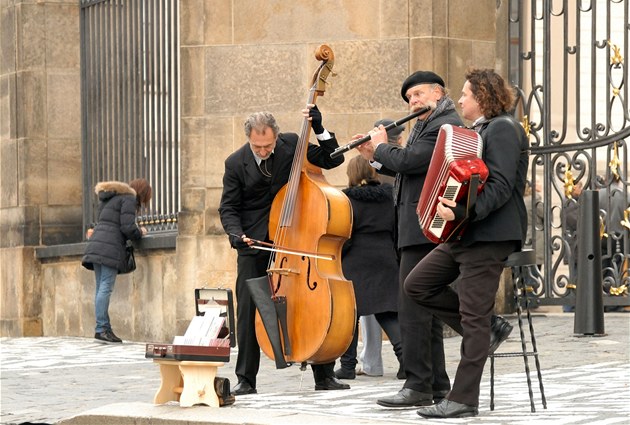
[{"x": 291, "y": 195}]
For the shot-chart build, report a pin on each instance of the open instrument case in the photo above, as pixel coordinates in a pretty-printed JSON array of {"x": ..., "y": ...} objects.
[{"x": 207, "y": 300}]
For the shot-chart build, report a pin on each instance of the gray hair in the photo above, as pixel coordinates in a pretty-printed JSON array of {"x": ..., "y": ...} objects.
[
  {"x": 443, "y": 89},
  {"x": 259, "y": 121}
]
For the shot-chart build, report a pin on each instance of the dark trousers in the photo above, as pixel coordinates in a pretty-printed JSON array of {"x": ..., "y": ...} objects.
[
  {"x": 388, "y": 320},
  {"x": 248, "y": 358},
  {"x": 477, "y": 270},
  {"x": 422, "y": 333},
  {"x": 323, "y": 371}
]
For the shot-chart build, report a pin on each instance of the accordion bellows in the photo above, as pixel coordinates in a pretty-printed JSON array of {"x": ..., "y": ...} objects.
[{"x": 455, "y": 162}]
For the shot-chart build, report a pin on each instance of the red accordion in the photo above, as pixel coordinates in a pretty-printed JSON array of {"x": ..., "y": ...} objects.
[{"x": 455, "y": 168}]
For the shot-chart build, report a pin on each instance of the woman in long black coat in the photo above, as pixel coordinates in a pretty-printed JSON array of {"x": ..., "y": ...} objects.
[
  {"x": 105, "y": 253},
  {"x": 369, "y": 257}
]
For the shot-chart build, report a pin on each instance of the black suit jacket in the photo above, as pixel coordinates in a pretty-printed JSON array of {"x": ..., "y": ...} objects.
[
  {"x": 499, "y": 213},
  {"x": 247, "y": 195}
]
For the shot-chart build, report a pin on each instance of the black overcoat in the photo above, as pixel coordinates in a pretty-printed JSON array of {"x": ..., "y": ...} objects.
[
  {"x": 116, "y": 224},
  {"x": 369, "y": 256},
  {"x": 412, "y": 163}
]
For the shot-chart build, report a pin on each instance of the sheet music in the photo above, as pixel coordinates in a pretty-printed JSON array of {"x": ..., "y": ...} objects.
[{"x": 202, "y": 330}]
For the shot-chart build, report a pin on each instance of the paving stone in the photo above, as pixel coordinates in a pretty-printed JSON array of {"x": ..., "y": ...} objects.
[{"x": 74, "y": 381}]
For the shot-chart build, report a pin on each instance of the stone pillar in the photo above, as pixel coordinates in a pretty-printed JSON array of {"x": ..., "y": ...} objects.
[{"x": 40, "y": 195}]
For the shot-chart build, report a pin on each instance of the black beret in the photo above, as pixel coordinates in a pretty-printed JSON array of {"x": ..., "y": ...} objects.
[{"x": 420, "y": 77}]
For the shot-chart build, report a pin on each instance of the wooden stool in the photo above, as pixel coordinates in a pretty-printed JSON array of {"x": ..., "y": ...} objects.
[
  {"x": 520, "y": 263},
  {"x": 188, "y": 382}
]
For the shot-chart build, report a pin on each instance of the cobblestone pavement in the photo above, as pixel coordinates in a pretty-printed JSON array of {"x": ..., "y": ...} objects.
[{"x": 586, "y": 381}]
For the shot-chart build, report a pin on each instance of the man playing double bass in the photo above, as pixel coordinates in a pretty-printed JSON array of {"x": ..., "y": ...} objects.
[{"x": 253, "y": 176}]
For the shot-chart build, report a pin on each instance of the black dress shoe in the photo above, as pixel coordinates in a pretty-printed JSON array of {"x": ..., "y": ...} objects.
[
  {"x": 331, "y": 383},
  {"x": 244, "y": 388},
  {"x": 500, "y": 329},
  {"x": 406, "y": 398},
  {"x": 439, "y": 395},
  {"x": 448, "y": 409},
  {"x": 342, "y": 373}
]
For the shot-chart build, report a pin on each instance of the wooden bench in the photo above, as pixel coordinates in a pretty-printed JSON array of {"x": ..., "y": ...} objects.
[{"x": 189, "y": 382}]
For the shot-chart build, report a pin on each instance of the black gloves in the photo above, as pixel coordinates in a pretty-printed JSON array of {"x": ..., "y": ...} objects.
[
  {"x": 316, "y": 120},
  {"x": 459, "y": 210},
  {"x": 237, "y": 242}
]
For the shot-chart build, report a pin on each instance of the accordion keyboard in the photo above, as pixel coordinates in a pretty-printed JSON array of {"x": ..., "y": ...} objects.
[{"x": 451, "y": 191}]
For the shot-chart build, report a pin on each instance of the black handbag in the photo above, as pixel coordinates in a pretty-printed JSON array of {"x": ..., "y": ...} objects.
[{"x": 130, "y": 259}]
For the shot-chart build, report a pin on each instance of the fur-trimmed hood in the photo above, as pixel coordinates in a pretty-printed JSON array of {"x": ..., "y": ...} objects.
[
  {"x": 106, "y": 190},
  {"x": 371, "y": 192}
]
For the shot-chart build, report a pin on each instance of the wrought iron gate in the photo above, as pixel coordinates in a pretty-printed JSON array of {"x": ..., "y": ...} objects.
[{"x": 567, "y": 58}]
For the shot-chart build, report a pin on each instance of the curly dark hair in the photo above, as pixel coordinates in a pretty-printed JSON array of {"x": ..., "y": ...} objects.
[{"x": 491, "y": 91}]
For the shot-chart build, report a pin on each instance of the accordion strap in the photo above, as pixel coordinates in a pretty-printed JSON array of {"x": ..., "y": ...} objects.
[
  {"x": 470, "y": 204},
  {"x": 472, "y": 194}
]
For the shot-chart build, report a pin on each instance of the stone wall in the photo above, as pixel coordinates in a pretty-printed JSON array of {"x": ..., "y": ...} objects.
[
  {"x": 241, "y": 57},
  {"x": 40, "y": 149},
  {"x": 140, "y": 307},
  {"x": 236, "y": 58}
]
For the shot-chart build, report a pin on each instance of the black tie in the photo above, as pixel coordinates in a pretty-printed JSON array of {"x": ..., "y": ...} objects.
[{"x": 266, "y": 166}]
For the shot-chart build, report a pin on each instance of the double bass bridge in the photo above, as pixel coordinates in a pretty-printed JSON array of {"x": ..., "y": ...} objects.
[{"x": 283, "y": 271}]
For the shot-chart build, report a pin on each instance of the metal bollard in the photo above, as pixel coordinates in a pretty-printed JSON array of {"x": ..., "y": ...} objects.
[{"x": 589, "y": 303}]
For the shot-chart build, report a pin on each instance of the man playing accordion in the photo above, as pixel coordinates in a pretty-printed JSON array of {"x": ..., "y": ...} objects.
[{"x": 476, "y": 261}]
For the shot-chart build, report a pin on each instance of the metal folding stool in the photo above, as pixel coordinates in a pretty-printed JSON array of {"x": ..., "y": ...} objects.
[{"x": 519, "y": 263}]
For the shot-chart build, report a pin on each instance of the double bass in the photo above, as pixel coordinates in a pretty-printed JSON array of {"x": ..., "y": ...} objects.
[{"x": 314, "y": 305}]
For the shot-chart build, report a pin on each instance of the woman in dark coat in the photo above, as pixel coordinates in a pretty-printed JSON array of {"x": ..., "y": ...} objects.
[
  {"x": 369, "y": 257},
  {"x": 105, "y": 252}
]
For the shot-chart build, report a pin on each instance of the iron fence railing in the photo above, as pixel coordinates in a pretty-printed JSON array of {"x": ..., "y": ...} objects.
[
  {"x": 567, "y": 60},
  {"x": 130, "y": 100}
]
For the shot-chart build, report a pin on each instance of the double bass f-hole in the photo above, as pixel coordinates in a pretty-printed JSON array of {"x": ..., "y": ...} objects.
[
  {"x": 308, "y": 274},
  {"x": 310, "y": 286},
  {"x": 277, "y": 288}
]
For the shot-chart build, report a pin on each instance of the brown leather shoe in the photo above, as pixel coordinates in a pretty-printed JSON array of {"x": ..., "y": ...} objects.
[{"x": 222, "y": 388}]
